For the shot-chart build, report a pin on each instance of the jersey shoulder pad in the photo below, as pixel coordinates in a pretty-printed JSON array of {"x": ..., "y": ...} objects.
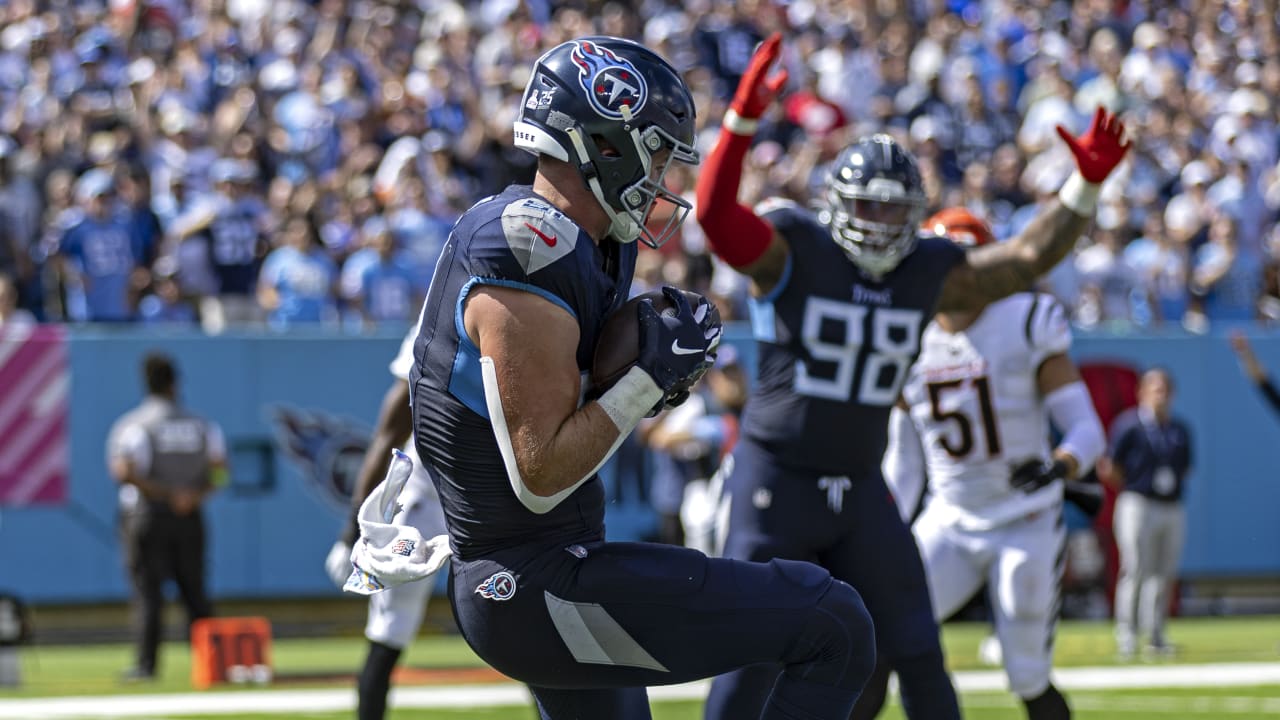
[
  {"x": 775, "y": 204},
  {"x": 525, "y": 242},
  {"x": 1045, "y": 324},
  {"x": 513, "y": 239},
  {"x": 537, "y": 233},
  {"x": 931, "y": 258},
  {"x": 938, "y": 249},
  {"x": 784, "y": 215}
]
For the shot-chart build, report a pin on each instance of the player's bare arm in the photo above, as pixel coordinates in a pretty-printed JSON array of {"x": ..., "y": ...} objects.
[
  {"x": 767, "y": 272},
  {"x": 995, "y": 271},
  {"x": 740, "y": 237},
  {"x": 532, "y": 343},
  {"x": 395, "y": 425}
]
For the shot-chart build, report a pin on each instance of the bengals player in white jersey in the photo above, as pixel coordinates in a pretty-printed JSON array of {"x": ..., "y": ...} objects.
[{"x": 974, "y": 420}]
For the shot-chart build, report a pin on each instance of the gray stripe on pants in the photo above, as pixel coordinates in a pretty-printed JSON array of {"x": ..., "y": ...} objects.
[{"x": 595, "y": 638}]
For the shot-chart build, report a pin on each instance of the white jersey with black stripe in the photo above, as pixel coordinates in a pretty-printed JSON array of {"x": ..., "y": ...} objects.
[{"x": 974, "y": 399}]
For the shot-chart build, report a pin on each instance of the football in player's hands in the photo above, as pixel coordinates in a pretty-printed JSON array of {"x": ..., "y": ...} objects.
[{"x": 618, "y": 347}]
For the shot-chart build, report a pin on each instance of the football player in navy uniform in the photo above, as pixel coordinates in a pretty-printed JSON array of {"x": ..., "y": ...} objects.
[
  {"x": 517, "y": 300},
  {"x": 840, "y": 300}
]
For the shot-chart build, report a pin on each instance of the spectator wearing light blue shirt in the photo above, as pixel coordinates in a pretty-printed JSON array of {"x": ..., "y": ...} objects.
[
  {"x": 298, "y": 278},
  {"x": 165, "y": 304},
  {"x": 1229, "y": 280},
  {"x": 98, "y": 254},
  {"x": 389, "y": 292},
  {"x": 1160, "y": 262}
]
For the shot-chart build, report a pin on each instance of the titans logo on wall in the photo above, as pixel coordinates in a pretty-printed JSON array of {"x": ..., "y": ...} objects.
[
  {"x": 611, "y": 82},
  {"x": 327, "y": 449}
]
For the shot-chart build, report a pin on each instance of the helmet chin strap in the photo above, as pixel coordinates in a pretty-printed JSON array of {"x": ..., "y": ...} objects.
[{"x": 622, "y": 227}]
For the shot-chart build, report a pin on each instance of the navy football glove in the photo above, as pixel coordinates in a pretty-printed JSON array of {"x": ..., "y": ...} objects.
[
  {"x": 678, "y": 345},
  {"x": 1032, "y": 475}
]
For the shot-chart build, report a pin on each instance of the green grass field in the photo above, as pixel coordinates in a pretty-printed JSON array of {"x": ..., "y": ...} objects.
[{"x": 328, "y": 663}]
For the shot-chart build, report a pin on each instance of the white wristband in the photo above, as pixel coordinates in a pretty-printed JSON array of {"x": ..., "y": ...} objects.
[
  {"x": 1079, "y": 195},
  {"x": 630, "y": 399},
  {"x": 738, "y": 125}
]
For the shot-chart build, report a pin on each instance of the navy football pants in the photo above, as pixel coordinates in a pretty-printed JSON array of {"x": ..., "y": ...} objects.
[
  {"x": 857, "y": 534},
  {"x": 588, "y": 626}
]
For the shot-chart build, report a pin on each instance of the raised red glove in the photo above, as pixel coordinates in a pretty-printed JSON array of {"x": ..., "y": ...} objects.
[
  {"x": 1100, "y": 149},
  {"x": 757, "y": 88}
]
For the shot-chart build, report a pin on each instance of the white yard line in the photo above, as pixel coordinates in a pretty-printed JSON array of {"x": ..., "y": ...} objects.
[{"x": 505, "y": 694}]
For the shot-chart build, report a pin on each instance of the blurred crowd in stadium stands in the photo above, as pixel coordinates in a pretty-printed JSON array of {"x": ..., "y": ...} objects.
[{"x": 230, "y": 161}]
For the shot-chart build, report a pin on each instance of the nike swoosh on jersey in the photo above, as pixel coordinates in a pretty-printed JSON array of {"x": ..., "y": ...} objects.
[
  {"x": 550, "y": 240},
  {"x": 675, "y": 348}
]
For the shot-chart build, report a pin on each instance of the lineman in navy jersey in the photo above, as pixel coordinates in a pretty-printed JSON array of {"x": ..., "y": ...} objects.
[
  {"x": 840, "y": 302},
  {"x": 520, "y": 293}
]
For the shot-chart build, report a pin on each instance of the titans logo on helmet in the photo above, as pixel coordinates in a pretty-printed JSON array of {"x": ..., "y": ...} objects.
[
  {"x": 611, "y": 82},
  {"x": 498, "y": 586}
]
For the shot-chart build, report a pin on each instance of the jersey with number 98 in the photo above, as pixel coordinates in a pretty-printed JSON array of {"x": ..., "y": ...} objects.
[
  {"x": 975, "y": 399},
  {"x": 835, "y": 345}
]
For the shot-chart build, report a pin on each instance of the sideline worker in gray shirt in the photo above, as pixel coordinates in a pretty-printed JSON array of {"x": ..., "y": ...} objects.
[{"x": 167, "y": 461}]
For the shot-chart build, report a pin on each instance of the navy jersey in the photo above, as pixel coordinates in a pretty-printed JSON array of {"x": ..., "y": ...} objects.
[
  {"x": 234, "y": 241},
  {"x": 835, "y": 346},
  {"x": 1154, "y": 458},
  {"x": 515, "y": 239}
]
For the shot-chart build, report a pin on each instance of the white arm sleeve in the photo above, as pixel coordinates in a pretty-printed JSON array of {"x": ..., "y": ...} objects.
[
  {"x": 903, "y": 464},
  {"x": 1072, "y": 413},
  {"x": 626, "y": 403}
]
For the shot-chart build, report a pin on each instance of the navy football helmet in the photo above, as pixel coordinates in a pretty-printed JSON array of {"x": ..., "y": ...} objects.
[
  {"x": 622, "y": 115},
  {"x": 875, "y": 202}
]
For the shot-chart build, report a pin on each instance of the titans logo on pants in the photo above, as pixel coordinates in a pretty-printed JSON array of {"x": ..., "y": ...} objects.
[
  {"x": 611, "y": 82},
  {"x": 498, "y": 586}
]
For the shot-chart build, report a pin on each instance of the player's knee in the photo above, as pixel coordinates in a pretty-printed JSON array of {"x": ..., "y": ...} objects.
[
  {"x": 874, "y": 694},
  {"x": 1027, "y": 594},
  {"x": 1027, "y": 679},
  {"x": 850, "y": 643}
]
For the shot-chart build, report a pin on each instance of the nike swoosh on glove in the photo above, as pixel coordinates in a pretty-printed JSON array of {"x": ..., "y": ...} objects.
[
  {"x": 387, "y": 555},
  {"x": 677, "y": 347}
]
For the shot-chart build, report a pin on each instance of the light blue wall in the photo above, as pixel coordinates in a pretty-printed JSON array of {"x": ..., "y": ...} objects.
[
  {"x": 1234, "y": 493},
  {"x": 271, "y": 529}
]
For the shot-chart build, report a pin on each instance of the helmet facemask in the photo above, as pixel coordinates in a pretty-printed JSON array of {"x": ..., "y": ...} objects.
[
  {"x": 629, "y": 206},
  {"x": 875, "y": 224}
]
